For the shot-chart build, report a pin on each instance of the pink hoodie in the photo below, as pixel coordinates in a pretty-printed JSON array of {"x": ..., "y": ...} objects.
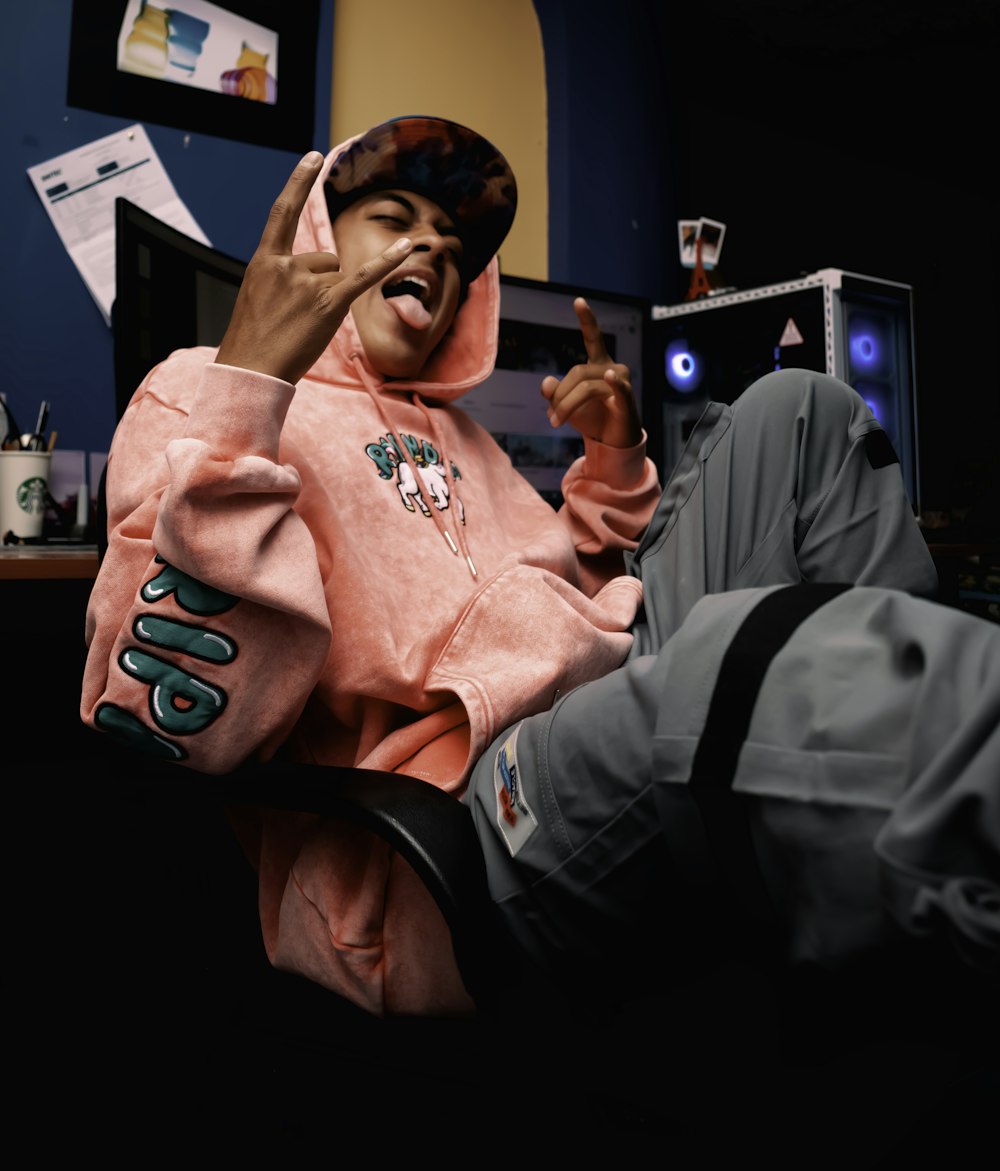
[{"x": 351, "y": 571}]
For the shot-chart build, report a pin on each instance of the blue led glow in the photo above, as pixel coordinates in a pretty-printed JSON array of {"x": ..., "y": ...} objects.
[
  {"x": 876, "y": 395},
  {"x": 682, "y": 367},
  {"x": 864, "y": 350},
  {"x": 866, "y": 340}
]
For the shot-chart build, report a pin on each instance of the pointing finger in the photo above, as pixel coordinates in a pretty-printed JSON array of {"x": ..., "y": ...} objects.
[
  {"x": 372, "y": 271},
  {"x": 593, "y": 338},
  {"x": 283, "y": 218}
]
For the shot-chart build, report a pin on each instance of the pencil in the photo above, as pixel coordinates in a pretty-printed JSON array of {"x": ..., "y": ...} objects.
[{"x": 43, "y": 417}]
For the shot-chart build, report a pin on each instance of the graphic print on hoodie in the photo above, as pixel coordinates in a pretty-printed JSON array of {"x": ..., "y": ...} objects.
[{"x": 433, "y": 484}]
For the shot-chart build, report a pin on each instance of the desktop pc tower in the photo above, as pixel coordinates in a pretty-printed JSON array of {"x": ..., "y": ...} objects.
[{"x": 858, "y": 328}]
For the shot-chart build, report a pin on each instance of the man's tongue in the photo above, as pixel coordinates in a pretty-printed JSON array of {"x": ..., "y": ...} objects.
[{"x": 410, "y": 310}]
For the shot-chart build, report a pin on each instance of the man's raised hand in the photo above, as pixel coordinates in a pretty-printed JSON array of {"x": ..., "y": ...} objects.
[
  {"x": 596, "y": 398},
  {"x": 290, "y": 306}
]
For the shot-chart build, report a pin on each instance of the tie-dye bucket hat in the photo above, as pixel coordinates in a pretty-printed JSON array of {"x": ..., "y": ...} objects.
[{"x": 463, "y": 173}]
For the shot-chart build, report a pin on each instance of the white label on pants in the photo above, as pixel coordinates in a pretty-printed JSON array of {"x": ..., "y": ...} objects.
[{"x": 514, "y": 817}]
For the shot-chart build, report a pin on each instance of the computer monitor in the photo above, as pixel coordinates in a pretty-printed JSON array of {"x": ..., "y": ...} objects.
[{"x": 171, "y": 292}]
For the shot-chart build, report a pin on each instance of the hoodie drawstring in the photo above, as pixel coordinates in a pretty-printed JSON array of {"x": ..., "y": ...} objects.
[
  {"x": 450, "y": 480},
  {"x": 405, "y": 456}
]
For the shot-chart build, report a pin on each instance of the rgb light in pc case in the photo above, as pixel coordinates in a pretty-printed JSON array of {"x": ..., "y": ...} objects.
[{"x": 855, "y": 327}]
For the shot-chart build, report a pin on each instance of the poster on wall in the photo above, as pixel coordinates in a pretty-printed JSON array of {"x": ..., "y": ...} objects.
[
  {"x": 79, "y": 188},
  {"x": 240, "y": 69}
]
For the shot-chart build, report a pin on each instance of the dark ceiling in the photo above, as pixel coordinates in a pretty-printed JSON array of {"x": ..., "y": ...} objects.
[{"x": 935, "y": 67}]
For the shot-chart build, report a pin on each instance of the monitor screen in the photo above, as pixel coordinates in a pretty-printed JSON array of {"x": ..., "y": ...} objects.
[{"x": 539, "y": 335}]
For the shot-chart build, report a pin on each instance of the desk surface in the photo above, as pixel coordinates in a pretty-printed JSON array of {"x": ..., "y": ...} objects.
[{"x": 26, "y": 562}]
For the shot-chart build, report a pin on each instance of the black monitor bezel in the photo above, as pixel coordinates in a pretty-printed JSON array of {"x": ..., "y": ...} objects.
[{"x": 133, "y": 314}]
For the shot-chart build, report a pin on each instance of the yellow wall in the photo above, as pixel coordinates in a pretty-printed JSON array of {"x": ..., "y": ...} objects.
[{"x": 478, "y": 62}]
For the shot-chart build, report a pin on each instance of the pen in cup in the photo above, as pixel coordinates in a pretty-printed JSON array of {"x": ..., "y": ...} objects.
[
  {"x": 17, "y": 440},
  {"x": 35, "y": 441}
]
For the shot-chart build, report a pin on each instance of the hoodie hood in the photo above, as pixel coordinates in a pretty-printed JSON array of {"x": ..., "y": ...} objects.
[{"x": 466, "y": 354}]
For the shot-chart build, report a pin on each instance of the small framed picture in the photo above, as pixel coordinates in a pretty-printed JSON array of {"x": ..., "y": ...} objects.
[
  {"x": 712, "y": 235},
  {"x": 709, "y": 234},
  {"x": 241, "y": 69},
  {"x": 687, "y": 241}
]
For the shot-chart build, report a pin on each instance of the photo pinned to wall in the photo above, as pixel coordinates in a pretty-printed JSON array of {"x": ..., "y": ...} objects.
[
  {"x": 711, "y": 234},
  {"x": 241, "y": 69},
  {"x": 200, "y": 45}
]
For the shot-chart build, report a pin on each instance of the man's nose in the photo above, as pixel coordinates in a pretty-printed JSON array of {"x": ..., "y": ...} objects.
[{"x": 429, "y": 240}]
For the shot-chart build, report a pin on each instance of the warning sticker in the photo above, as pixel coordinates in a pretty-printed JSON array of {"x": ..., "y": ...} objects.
[{"x": 791, "y": 336}]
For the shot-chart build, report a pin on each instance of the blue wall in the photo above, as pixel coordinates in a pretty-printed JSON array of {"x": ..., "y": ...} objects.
[
  {"x": 54, "y": 343},
  {"x": 610, "y": 223}
]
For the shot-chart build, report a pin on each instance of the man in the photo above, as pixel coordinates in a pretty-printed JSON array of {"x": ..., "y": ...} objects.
[{"x": 314, "y": 551}]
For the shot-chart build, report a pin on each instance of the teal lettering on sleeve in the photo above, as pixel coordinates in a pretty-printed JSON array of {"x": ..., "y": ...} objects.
[
  {"x": 197, "y": 641},
  {"x": 179, "y": 703},
  {"x": 133, "y": 733},
  {"x": 193, "y": 596}
]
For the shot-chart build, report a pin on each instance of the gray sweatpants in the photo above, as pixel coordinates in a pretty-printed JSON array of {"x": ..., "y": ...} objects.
[{"x": 870, "y": 772}]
